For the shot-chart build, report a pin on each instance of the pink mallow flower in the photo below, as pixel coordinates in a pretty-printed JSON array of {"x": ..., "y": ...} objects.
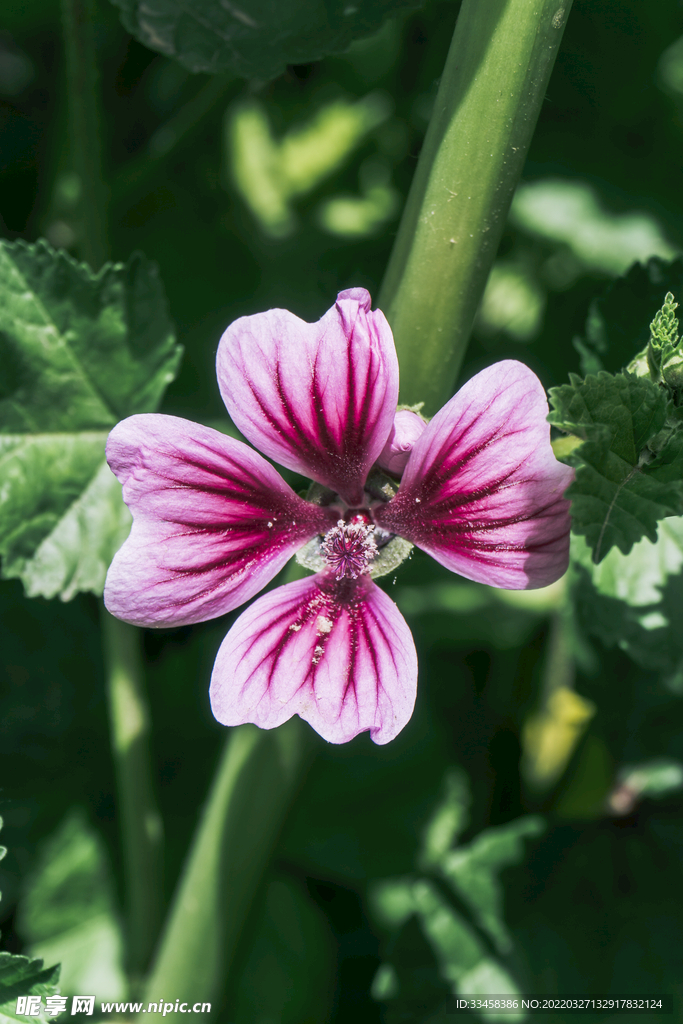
[{"x": 214, "y": 522}]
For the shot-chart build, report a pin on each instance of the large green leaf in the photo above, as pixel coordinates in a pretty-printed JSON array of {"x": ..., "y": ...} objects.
[
  {"x": 629, "y": 468},
  {"x": 253, "y": 38},
  {"x": 78, "y": 352}
]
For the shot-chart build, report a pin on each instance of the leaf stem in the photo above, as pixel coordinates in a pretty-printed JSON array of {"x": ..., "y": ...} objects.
[
  {"x": 486, "y": 110},
  {"x": 84, "y": 125},
  {"x": 251, "y": 793},
  {"x": 141, "y": 825}
]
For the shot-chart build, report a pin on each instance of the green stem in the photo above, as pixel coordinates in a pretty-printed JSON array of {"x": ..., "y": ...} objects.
[
  {"x": 251, "y": 793},
  {"x": 141, "y": 826},
  {"x": 84, "y": 125},
  {"x": 486, "y": 110}
]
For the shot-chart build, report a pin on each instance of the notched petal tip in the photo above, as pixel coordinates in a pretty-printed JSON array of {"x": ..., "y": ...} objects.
[
  {"x": 338, "y": 654},
  {"x": 482, "y": 491},
  {"x": 360, "y": 296},
  {"x": 318, "y": 398}
]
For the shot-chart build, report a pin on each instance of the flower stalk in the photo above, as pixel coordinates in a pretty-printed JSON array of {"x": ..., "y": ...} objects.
[
  {"x": 140, "y": 822},
  {"x": 251, "y": 794},
  {"x": 490, "y": 95},
  {"x": 141, "y": 825}
]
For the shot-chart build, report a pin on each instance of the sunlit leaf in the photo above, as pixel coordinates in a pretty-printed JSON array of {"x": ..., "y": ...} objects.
[
  {"x": 570, "y": 212},
  {"x": 633, "y": 601},
  {"x": 551, "y": 735},
  {"x": 657, "y": 778},
  {"x": 463, "y": 960},
  {"x": 253, "y": 38},
  {"x": 22, "y": 976},
  {"x": 472, "y": 871},
  {"x": 448, "y": 820},
  {"x": 629, "y": 469},
  {"x": 512, "y": 302},
  {"x": 78, "y": 352},
  {"x": 270, "y": 173}
]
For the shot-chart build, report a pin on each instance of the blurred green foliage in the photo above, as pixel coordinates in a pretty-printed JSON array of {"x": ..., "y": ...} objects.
[
  {"x": 595, "y": 902},
  {"x": 269, "y": 174},
  {"x": 68, "y": 914},
  {"x": 253, "y": 38},
  {"x": 464, "y": 928}
]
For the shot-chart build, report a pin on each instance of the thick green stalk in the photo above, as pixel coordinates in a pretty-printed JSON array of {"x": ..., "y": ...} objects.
[
  {"x": 486, "y": 109},
  {"x": 84, "y": 125},
  {"x": 141, "y": 827},
  {"x": 251, "y": 793},
  {"x": 140, "y": 821}
]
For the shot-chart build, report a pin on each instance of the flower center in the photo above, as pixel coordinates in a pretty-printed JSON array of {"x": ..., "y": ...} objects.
[{"x": 349, "y": 548}]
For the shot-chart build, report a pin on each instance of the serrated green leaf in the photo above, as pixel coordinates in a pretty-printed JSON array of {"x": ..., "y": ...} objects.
[
  {"x": 664, "y": 327},
  {"x": 78, "y": 352},
  {"x": 21, "y": 976},
  {"x": 71, "y": 558},
  {"x": 253, "y": 38},
  {"x": 629, "y": 469}
]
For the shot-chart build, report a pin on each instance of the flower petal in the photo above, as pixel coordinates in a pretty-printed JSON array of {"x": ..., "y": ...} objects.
[
  {"x": 338, "y": 654},
  {"x": 482, "y": 491},
  {"x": 213, "y": 522},
  {"x": 318, "y": 398},
  {"x": 408, "y": 426}
]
